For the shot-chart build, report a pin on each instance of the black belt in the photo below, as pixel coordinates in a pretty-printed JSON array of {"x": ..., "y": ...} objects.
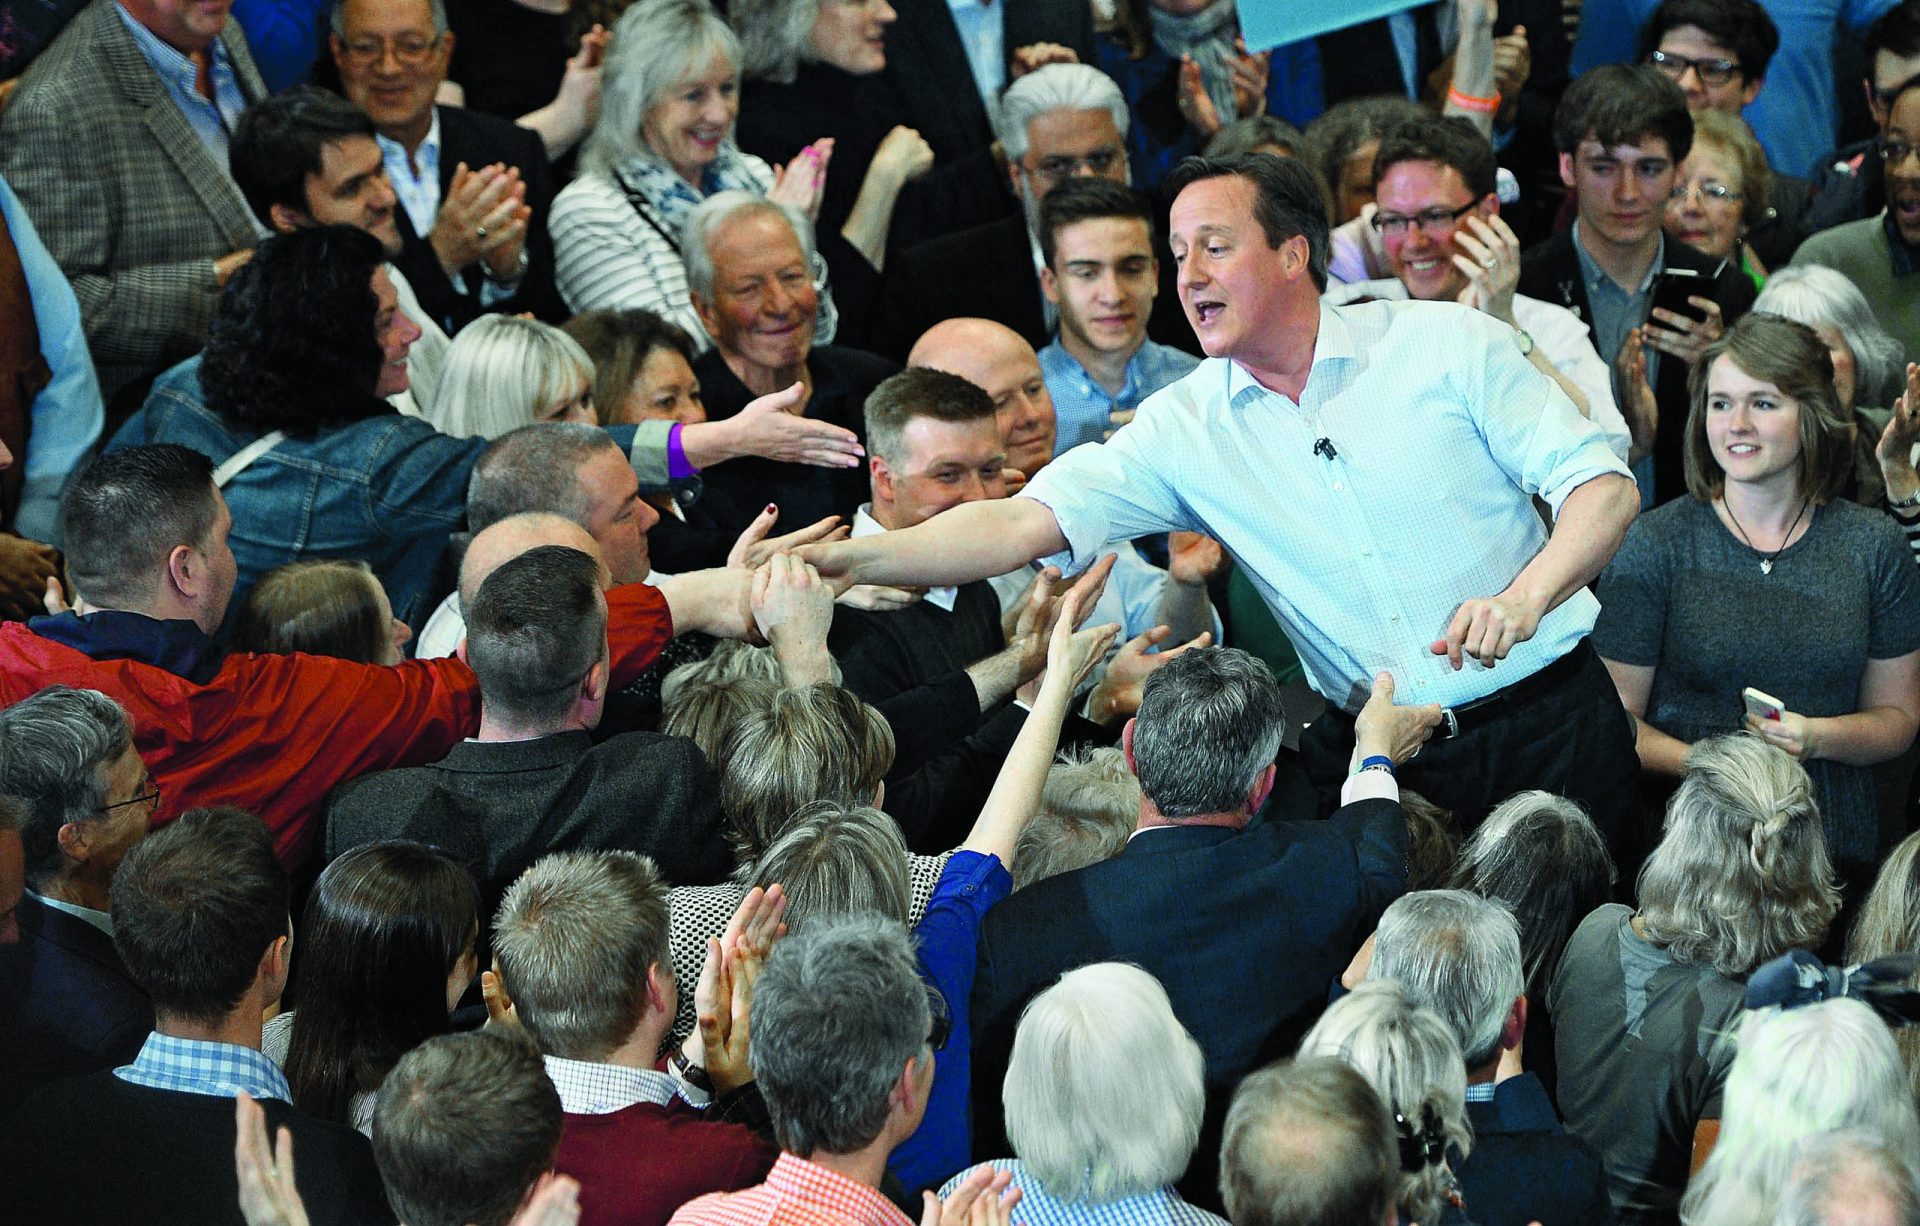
[{"x": 1470, "y": 715}]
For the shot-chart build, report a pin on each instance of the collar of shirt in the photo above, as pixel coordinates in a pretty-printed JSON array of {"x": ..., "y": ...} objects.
[
  {"x": 845, "y": 1198},
  {"x": 1597, "y": 278},
  {"x": 416, "y": 180},
  {"x": 981, "y": 25},
  {"x": 1334, "y": 343},
  {"x": 589, "y": 1088},
  {"x": 1048, "y": 311},
  {"x": 1482, "y": 1092},
  {"x": 1900, "y": 254},
  {"x": 210, "y": 118},
  {"x": 99, "y": 919},
  {"x": 864, "y": 524},
  {"x": 197, "y": 1066}
]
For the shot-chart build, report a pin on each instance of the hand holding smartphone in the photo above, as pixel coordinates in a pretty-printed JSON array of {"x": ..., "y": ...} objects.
[{"x": 1762, "y": 705}]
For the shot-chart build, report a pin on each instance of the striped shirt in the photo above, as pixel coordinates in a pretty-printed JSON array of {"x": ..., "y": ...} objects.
[
  {"x": 196, "y": 1066},
  {"x": 1039, "y": 1207},
  {"x": 796, "y": 1193}
]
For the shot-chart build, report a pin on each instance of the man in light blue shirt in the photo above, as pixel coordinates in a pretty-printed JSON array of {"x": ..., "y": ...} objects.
[
  {"x": 1096, "y": 246},
  {"x": 1373, "y": 470}
]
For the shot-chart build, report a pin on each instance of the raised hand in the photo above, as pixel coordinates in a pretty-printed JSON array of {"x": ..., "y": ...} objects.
[
  {"x": 803, "y": 181},
  {"x": 1117, "y": 696},
  {"x": 1194, "y": 557},
  {"x": 1489, "y": 256},
  {"x": 753, "y": 548},
  {"x": 268, "y": 1194},
  {"x": 771, "y": 427},
  {"x": 984, "y": 1199}
]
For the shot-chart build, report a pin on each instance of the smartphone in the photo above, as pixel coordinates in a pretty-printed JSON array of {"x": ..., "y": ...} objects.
[
  {"x": 1673, "y": 287},
  {"x": 1762, "y": 705}
]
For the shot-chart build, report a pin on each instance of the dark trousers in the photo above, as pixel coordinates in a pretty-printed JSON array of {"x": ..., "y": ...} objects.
[{"x": 1573, "y": 739}]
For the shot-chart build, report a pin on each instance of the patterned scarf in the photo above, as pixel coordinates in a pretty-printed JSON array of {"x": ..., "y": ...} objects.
[
  {"x": 1207, "y": 36},
  {"x": 672, "y": 197}
]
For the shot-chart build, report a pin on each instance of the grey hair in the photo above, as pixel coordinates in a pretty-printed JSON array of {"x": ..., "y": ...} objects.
[
  {"x": 837, "y": 859},
  {"x": 1541, "y": 857},
  {"x": 656, "y": 45},
  {"x": 1818, "y": 297},
  {"x": 1090, "y": 804},
  {"x": 1798, "y": 1072},
  {"x": 1308, "y": 1142},
  {"x": 1459, "y": 955},
  {"x": 1057, "y": 87},
  {"x": 775, "y": 36},
  {"x": 838, "y": 1012},
  {"x": 439, "y": 17},
  {"x": 1408, "y": 1054},
  {"x": 1841, "y": 1176},
  {"x": 575, "y": 936},
  {"x": 1210, "y": 722},
  {"x": 705, "y": 712},
  {"x": 1741, "y": 874},
  {"x": 706, "y": 219},
  {"x": 501, "y": 371},
  {"x": 55, "y": 749},
  {"x": 534, "y": 468},
  {"x": 1104, "y": 1089}
]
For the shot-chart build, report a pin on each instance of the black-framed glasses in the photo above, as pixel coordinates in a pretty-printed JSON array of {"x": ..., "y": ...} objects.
[
  {"x": 1893, "y": 152},
  {"x": 1429, "y": 220},
  {"x": 149, "y": 796},
  {"x": 1713, "y": 71},
  {"x": 942, "y": 1028}
]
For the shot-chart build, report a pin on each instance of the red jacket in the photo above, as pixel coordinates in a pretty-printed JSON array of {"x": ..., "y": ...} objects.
[{"x": 274, "y": 734}]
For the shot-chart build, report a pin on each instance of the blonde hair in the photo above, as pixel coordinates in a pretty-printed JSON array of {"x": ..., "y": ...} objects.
[
  {"x": 1741, "y": 875},
  {"x": 501, "y": 371},
  {"x": 1090, "y": 804},
  {"x": 1889, "y": 923},
  {"x": 322, "y": 606}
]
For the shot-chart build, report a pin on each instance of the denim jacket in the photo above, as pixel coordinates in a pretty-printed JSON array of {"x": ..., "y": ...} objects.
[{"x": 387, "y": 489}]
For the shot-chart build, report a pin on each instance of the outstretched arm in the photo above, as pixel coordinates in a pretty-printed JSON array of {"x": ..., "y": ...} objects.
[{"x": 974, "y": 541}]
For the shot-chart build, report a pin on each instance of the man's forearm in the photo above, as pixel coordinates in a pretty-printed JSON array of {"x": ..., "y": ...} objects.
[
  {"x": 996, "y": 677},
  {"x": 976, "y": 540},
  {"x": 1592, "y": 522}
]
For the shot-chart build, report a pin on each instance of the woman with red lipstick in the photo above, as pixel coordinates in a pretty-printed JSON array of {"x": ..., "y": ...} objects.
[{"x": 1764, "y": 579}]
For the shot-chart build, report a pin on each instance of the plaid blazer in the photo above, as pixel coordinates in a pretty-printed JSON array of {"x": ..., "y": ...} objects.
[{"x": 131, "y": 204}]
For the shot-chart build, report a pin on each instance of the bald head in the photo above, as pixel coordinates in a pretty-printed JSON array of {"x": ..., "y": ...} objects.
[
  {"x": 997, "y": 359},
  {"x": 506, "y": 540}
]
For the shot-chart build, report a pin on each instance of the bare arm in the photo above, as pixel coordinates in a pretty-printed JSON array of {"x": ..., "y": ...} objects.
[
  {"x": 1660, "y": 753},
  {"x": 974, "y": 541},
  {"x": 1592, "y": 522},
  {"x": 1882, "y": 728}
]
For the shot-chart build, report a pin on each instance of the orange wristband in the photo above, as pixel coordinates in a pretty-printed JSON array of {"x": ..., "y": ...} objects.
[{"x": 1467, "y": 102}]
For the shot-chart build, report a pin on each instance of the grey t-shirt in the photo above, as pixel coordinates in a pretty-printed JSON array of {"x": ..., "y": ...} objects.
[
  {"x": 1644, "y": 1044},
  {"x": 1687, "y": 598}
]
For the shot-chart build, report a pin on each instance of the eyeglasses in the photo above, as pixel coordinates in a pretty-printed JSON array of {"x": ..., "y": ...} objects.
[
  {"x": 150, "y": 795},
  {"x": 1712, "y": 189},
  {"x": 1430, "y": 221},
  {"x": 1893, "y": 152},
  {"x": 410, "y": 50},
  {"x": 1100, "y": 161},
  {"x": 1711, "y": 72}
]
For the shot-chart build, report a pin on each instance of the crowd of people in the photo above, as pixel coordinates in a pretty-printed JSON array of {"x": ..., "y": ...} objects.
[{"x": 787, "y": 612}]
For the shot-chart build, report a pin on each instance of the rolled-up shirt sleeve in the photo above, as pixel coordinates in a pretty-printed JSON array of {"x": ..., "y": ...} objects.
[{"x": 1533, "y": 431}]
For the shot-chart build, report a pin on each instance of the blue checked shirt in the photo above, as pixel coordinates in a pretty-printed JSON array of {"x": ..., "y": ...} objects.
[
  {"x": 212, "y": 121},
  {"x": 1441, "y": 433},
  {"x": 1082, "y": 408},
  {"x": 1483, "y": 1092},
  {"x": 195, "y": 1066},
  {"x": 1038, "y": 1207}
]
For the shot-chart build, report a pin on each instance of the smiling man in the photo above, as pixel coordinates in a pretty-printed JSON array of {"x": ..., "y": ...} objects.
[{"x": 1373, "y": 469}]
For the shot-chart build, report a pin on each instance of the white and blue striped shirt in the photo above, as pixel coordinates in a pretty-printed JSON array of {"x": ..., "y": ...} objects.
[
  {"x": 1038, "y": 1207},
  {"x": 212, "y": 119},
  {"x": 1437, "y": 434}
]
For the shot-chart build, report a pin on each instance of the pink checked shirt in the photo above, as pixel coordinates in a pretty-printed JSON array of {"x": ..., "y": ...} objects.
[{"x": 796, "y": 1193}]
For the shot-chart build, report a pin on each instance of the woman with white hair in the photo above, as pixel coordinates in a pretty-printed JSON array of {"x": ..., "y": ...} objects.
[
  {"x": 1799, "y": 1072},
  {"x": 1869, "y": 371},
  {"x": 663, "y": 143},
  {"x": 1411, "y": 1057},
  {"x": 1641, "y": 999},
  {"x": 1104, "y": 1094},
  {"x": 503, "y": 372}
]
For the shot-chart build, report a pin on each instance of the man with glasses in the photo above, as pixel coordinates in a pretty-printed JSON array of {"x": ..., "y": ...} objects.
[
  {"x": 116, "y": 142},
  {"x": 1622, "y": 133},
  {"x": 67, "y": 757},
  {"x": 474, "y": 190},
  {"x": 1065, "y": 121},
  {"x": 1438, "y": 217},
  {"x": 1881, "y": 254},
  {"x": 1848, "y": 183}
]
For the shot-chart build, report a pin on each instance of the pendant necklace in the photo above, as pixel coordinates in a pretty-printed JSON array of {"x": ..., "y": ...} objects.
[{"x": 1766, "y": 562}]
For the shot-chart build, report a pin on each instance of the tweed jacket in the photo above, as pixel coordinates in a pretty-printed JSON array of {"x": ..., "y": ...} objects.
[{"x": 132, "y": 206}]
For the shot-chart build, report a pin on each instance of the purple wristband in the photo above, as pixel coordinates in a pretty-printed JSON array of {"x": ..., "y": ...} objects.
[{"x": 678, "y": 465}]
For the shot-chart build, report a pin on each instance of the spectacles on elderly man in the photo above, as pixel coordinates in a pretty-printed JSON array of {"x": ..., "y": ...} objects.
[
  {"x": 149, "y": 794},
  {"x": 1099, "y": 162},
  {"x": 410, "y": 50}
]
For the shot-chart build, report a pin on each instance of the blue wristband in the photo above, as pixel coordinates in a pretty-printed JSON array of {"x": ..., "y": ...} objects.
[{"x": 1377, "y": 762}]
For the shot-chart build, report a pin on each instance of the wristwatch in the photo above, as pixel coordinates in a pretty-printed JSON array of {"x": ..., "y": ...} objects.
[
  {"x": 688, "y": 1071},
  {"x": 1526, "y": 342}
]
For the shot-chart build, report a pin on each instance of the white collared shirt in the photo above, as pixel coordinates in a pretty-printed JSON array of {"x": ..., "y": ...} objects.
[{"x": 99, "y": 919}]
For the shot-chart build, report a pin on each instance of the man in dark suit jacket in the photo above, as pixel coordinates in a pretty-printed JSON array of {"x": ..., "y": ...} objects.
[
  {"x": 1246, "y": 927},
  {"x": 1622, "y": 131},
  {"x": 928, "y": 68},
  {"x": 472, "y": 241},
  {"x": 533, "y": 781}
]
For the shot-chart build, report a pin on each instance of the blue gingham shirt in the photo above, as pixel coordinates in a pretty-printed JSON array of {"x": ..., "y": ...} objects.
[
  {"x": 196, "y": 1066},
  {"x": 212, "y": 121},
  {"x": 1038, "y": 1207},
  {"x": 1442, "y": 431},
  {"x": 1082, "y": 408},
  {"x": 1482, "y": 1092}
]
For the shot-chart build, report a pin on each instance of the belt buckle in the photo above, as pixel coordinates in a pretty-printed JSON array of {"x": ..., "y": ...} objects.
[{"x": 1449, "y": 724}]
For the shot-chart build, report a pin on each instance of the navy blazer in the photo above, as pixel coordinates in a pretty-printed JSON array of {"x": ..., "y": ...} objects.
[
  {"x": 67, "y": 1004},
  {"x": 1244, "y": 929},
  {"x": 1526, "y": 1167}
]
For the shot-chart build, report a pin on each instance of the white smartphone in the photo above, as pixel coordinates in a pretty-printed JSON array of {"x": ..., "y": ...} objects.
[{"x": 1762, "y": 705}]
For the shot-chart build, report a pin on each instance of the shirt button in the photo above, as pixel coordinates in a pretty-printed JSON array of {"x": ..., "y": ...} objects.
[
  {"x": 1395, "y": 617},
  {"x": 1337, "y": 487}
]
